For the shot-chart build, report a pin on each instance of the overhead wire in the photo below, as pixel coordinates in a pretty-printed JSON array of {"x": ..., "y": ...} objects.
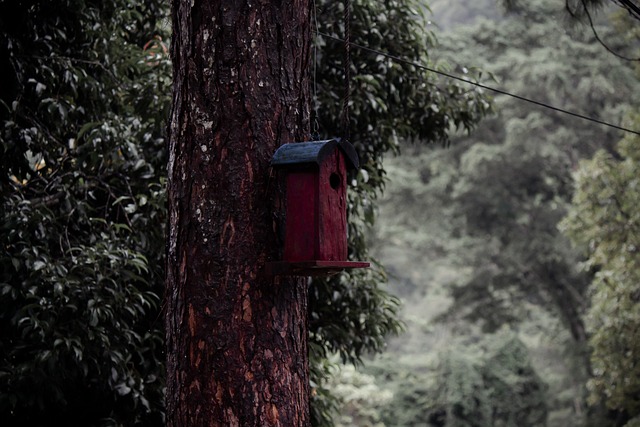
[{"x": 477, "y": 84}]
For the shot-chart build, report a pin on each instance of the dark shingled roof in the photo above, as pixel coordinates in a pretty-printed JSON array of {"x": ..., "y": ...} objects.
[{"x": 298, "y": 153}]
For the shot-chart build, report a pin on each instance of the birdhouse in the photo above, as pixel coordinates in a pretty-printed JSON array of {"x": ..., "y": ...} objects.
[{"x": 315, "y": 241}]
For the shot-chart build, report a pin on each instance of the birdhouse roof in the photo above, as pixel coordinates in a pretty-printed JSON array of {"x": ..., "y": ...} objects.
[{"x": 313, "y": 152}]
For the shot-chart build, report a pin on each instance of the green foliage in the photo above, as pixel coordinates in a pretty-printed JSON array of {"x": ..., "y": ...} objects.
[
  {"x": 515, "y": 181},
  {"x": 448, "y": 14},
  {"x": 491, "y": 383},
  {"x": 390, "y": 102},
  {"x": 470, "y": 233},
  {"x": 574, "y": 8},
  {"x": 517, "y": 255},
  {"x": 82, "y": 212},
  {"x": 604, "y": 221},
  {"x": 83, "y": 197},
  {"x": 515, "y": 383},
  {"x": 635, "y": 422},
  {"x": 360, "y": 398}
]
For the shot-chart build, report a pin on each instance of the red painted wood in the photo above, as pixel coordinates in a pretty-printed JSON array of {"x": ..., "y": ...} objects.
[
  {"x": 301, "y": 221},
  {"x": 332, "y": 209},
  {"x": 316, "y": 223}
]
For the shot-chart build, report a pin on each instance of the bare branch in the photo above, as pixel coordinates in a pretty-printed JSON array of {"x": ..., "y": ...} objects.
[
  {"x": 632, "y": 8},
  {"x": 595, "y": 33}
]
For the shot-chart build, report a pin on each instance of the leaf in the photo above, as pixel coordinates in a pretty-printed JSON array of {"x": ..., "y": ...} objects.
[{"x": 86, "y": 128}]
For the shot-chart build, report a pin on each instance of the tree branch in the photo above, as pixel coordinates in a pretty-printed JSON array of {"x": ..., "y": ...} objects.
[
  {"x": 632, "y": 8},
  {"x": 595, "y": 33}
]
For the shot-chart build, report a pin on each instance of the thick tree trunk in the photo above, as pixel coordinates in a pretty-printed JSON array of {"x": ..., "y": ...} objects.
[{"x": 236, "y": 339}]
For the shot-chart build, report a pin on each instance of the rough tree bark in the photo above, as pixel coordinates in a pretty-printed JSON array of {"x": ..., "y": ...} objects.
[{"x": 236, "y": 339}]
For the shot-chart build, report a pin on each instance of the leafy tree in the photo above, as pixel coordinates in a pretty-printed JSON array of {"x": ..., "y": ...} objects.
[
  {"x": 391, "y": 102},
  {"x": 360, "y": 398},
  {"x": 448, "y": 15},
  {"x": 82, "y": 137},
  {"x": 480, "y": 218},
  {"x": 489, "y": 383},
  {"x": 520, "y": 258},
  {"x": 603, "y": 220},
  {"x": 82, "y": 212},
  {"x": 514, "y": 186}
]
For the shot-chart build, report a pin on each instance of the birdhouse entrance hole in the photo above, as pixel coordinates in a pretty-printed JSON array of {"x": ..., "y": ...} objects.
[{"x": 334, "y": 181}]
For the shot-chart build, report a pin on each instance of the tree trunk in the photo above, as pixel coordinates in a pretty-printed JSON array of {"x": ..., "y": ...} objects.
[{"x": 236, "y": 338}]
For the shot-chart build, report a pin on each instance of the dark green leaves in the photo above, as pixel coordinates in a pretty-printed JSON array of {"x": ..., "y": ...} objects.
[
  {"x": 604, "y": 223},
  {"x": 82, "y": 213}
]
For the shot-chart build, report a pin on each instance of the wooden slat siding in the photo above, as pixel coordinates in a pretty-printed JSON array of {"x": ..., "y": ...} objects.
[
  {"x": 332, "y": 210},
  {"x": 302, "y": 219}
]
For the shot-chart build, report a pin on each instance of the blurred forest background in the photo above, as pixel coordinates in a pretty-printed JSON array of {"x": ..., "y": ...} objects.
[
  {"x": 508, "y": 232},
  {"x": 513, "y": 250}
]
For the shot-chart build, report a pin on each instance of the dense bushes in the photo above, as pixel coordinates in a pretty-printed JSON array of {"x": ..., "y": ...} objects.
[{"x": 82, "y": 213}]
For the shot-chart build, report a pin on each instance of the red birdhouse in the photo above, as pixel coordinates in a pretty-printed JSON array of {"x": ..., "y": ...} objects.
[{"x": 315, "y": 240}]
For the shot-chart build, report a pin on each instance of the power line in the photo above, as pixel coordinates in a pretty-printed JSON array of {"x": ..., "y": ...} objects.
[{"x": 492, "y": 89}]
